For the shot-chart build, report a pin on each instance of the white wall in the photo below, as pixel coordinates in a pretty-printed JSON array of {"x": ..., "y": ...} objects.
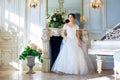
[
  {"x": 112, "y": 13},
  {"x": 98, "y": 21},
  {"x": 101, "y": 19}
]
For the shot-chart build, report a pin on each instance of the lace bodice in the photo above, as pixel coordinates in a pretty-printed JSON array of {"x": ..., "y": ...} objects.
[{"x": 71, "y": 31}]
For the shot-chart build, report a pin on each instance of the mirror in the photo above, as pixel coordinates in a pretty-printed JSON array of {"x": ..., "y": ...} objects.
[{"x": 73, "y": 6}]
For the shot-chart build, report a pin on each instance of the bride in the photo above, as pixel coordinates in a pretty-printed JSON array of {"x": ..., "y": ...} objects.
[{"x": 71, "y": 59}]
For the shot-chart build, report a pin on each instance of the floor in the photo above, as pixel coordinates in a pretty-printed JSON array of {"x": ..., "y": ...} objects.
[{"x": 17, "y": 75}]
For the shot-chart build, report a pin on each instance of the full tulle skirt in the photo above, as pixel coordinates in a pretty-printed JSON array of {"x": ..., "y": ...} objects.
[{"x": 71, "y": 59}]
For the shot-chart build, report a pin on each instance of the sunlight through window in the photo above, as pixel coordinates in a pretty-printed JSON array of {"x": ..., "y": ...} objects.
[
  {"x": 14, "y": 65},
  {"x": 6, "y": 14},
  {"x": 36, "y": 34}
]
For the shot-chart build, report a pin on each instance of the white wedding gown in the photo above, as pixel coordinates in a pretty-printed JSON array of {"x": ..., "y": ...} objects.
[{"x": 71, "y": 59}]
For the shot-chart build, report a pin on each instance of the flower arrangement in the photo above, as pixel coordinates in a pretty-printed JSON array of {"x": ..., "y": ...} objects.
[
  {"x": 33, "y": 50},
  {"x": 56, "y": 20}
]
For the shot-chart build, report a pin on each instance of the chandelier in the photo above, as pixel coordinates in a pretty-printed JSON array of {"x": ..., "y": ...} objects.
[
  {"x": 33, "y": 3},
  {"x": 95, "y": 3}
]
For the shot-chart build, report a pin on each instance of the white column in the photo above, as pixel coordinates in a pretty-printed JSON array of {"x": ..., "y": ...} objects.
[{"x": 45, "y": 55}]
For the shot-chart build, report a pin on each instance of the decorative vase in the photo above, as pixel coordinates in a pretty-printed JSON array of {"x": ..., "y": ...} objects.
[{"x": 30, "y": 64}]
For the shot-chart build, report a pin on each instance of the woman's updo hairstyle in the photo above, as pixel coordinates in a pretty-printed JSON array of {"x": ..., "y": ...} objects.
[{"x": 72, "y": 15}]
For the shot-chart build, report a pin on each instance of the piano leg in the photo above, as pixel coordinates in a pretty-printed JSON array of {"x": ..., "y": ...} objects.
[
  {"x": 99, "y": 64},
  {"x": 115, "y": 74}
]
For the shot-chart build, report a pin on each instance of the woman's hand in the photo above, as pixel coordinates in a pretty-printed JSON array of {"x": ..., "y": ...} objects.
[
  {"x": 64, "y": 35},
  {"x": 79, "y": 44},
  {"x": 65, "y": 38}
]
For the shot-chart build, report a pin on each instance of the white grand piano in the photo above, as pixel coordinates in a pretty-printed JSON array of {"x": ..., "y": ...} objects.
[{"x": 107, "y": 45}]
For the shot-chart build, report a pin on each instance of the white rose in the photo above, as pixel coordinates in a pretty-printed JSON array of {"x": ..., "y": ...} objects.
[{"x": 54, "y": 19}]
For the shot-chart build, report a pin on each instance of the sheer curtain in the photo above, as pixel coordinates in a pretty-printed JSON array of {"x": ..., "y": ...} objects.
[
  {"x": 25, "y": 23},
  {"x": 17, "y": 16}
]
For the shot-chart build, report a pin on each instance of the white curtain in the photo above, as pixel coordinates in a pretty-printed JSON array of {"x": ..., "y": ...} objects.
[
  {"x": 17, "y": 17},
  {"x": 22, "y": 22},
  {"x": 35, "y": 22}
]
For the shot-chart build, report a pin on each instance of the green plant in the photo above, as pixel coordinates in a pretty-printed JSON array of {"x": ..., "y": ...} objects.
[
  {"x": 31, "y": 50},
  {"x": 56, "y": 20}
]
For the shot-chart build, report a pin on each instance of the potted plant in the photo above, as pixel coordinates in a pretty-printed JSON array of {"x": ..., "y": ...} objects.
[{"x": 30, "y": 52}]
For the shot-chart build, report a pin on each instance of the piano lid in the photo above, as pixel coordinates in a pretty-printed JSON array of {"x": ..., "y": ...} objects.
[{"x": 112, "y": 34}]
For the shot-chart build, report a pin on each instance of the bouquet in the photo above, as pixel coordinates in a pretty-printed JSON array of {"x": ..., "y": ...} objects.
[{"x": 56, "y": 20}]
